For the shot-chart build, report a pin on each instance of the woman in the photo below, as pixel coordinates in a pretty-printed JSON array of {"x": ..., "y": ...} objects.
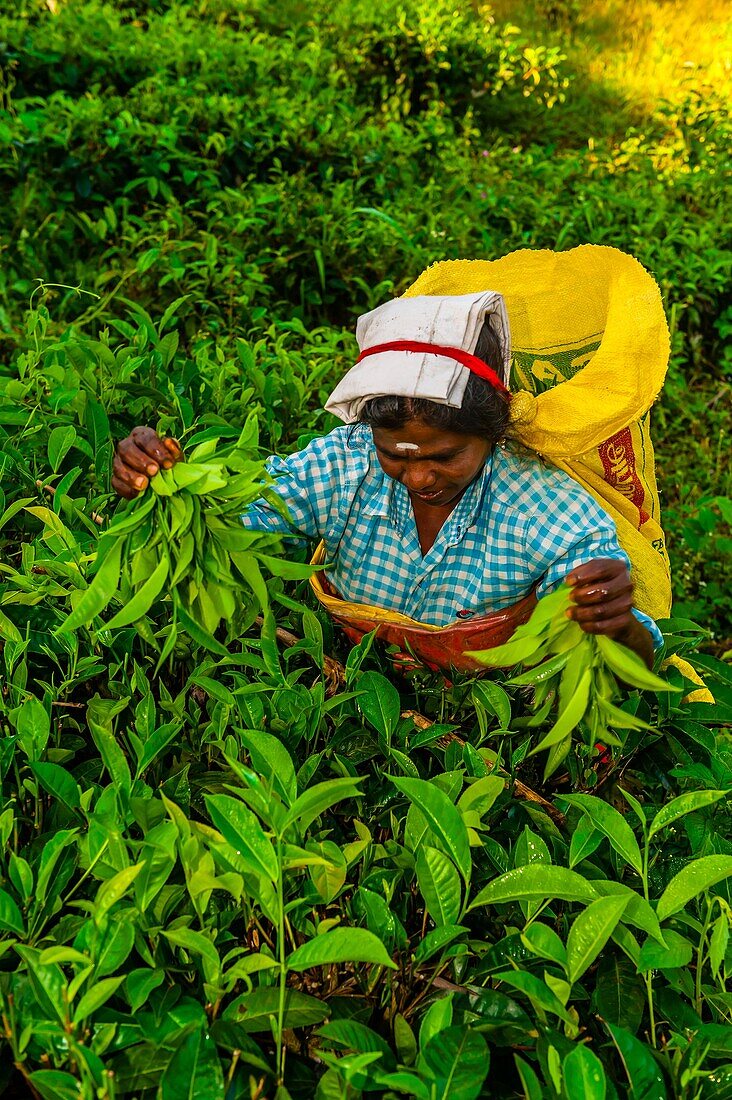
[{"x": 423, "y": 506}]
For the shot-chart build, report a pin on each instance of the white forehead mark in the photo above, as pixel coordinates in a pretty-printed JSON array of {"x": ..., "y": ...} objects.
[{"x": 406, "y": 446}]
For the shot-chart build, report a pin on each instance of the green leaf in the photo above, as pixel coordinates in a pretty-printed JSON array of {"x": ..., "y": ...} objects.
[
  {"x": 33, "y": 726},
  {"x": 458, "y": 1059},
  {"x": 584, "y": 1076},
  {"x": 529, "y": 1081},
  {"x": 692, "y": 880},
  {"x": 569, "y": 716},
  {"x": 619, "y": 996},
  {"x": 58, "y": 782},
  {"x": 110, "y": 892},
  {"x": 198, "y": 633},
  {"x": 538, "y": 992},
  {"x": 143, "y": 599},
  {"x": 60, "y": 442},
  {"x": 585, "y": 840},
  {"x": 533, "y": 883},
  {"x": 590, "y": 932},
  {"x": 638, "y": 911},
  {"x": 509, "y": 654},
  {"x": 8, "y": 629},
  {"x": 543, "y": 941},
  {"x": 239, "y": 826},
  {"x": 628, "y": 666},
  {"x": 99, "y": 592},
  {"x": 654, "y": 956},
  {"x": 194, "y": 1072},
  {"x": 494, "y": 699},
  {"x": 312, "y": 802},
  {"x": 272, "y": 760},
  {"x": 379, "y": 703},
  {"x": 196, "y": 943},
  {"x": 684, "y": 804},
  {"x": 338, "y": 946},
  {"x": 401, "y": 1082},
  {"x": 10, "y": 916},
  {"x": 436, "y": 940},
  {"x": 95, "y": 997},
  {"x": 612, "y": 824},
  {"x": 439, "y": 884},
  {"x": 718, "y": 942},
  {"x": 356, "y": 1036},
  {"x": 255, "y": 1011},
  {"x": 443, "y": 819},
  {"x": 645, "y": 1078},
  {"x": 112, "y": 756},
  {"x": 55, "y": 1084},
  {"x": 480, "y": 795},
  {"x": 139, "y": 985},
  {"x": 405, "y": 1040}
]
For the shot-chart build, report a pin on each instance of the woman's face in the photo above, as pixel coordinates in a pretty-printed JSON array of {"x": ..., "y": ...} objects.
[{"x": 434, "y": 465}]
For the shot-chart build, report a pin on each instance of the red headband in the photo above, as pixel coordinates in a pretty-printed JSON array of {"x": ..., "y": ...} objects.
[{"x": 472, "y": 362}]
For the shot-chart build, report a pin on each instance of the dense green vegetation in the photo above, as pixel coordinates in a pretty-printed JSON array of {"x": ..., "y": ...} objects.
[{"x": 231, "y": 867}]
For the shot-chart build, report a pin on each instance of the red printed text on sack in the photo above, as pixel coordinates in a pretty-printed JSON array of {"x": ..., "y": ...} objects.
[{"x": 618, "y": 461}]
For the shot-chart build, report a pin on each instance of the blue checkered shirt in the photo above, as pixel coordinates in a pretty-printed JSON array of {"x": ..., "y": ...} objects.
[{"x": 521, "y": 523}]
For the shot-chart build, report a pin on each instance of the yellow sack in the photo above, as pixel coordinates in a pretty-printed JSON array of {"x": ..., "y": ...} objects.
[{"x": 590, "y": 351}]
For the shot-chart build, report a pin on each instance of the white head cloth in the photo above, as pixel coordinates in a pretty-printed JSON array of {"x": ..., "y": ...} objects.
[{"x": 453, "y": 320}]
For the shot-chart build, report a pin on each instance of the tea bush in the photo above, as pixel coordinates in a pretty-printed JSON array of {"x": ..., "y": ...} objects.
[
  {"x": 245, "y": 876},
  {"x": 230, "y": 866}
]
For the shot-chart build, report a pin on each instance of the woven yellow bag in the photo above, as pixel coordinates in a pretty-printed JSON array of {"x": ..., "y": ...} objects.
[{"x": 590, "y": 352}]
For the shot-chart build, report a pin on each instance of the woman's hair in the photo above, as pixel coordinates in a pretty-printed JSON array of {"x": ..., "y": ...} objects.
[{"x": 484, "y": 411}]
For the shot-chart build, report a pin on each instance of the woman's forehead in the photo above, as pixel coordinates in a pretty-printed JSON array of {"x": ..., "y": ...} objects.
[{"x": 415, "y": 435}]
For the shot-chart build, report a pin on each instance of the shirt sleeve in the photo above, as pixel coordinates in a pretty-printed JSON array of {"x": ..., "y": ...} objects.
[
  {"x": 571, "y": 530},
  {"x": 309, "y": 483}
]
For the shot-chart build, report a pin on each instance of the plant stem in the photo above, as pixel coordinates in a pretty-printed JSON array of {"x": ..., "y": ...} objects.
[
  {"x": 283, "y": 965},
  {"x": 700, "y": 960}
]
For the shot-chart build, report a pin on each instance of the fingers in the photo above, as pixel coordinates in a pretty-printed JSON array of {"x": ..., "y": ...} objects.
[
  {"x": 601, "y": 618},
  {"x": 127, "y": 480},
  {"x": 139, "y": 457},
  {"x": 602, "y": 595},
  {"x": 596, "y": 571},
  {"x": 149, "y": 443},
  {"x": 174, "y": 450},
  {"x": 134, "y": 458},
  {"x": 602, "y": 592},
  {"x": 124, "y": 489}
]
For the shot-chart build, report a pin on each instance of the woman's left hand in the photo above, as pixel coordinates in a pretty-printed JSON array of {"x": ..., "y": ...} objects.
[{"x": 603, "y": 604}]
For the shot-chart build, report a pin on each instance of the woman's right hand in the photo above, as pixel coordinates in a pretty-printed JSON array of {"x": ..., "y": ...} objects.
[{"x": 140, "y": 456}]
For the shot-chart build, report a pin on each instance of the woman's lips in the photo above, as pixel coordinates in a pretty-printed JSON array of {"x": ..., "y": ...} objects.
[{"x": 430, "y": 496}]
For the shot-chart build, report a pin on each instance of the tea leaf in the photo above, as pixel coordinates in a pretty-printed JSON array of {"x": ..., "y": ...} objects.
[
  {"x": 99, "y": 592},
  {"x": 194, "y": 1072},
  {"x": 338, "y": 946},
  {"x": 439, "y": 884},
  {"x": 535, "y": 882},
  {"x": 612, "y": 824},
  {"x": 584, "y": 1076},
  {"x": 590, "y": 932},
  {"x": 644, "y": 1075},
  {"x": 698, "y": 876},
  {"x": 443, "y": 818},
  {"x": 242, "y": 830},
  {"x": 684, "y": 804}
]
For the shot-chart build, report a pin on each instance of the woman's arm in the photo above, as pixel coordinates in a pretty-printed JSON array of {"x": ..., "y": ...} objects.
[{"x": 310, "y": 483}]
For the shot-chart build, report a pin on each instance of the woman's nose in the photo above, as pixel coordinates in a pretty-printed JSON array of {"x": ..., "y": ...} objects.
[{"x": 419, "y": 479}]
